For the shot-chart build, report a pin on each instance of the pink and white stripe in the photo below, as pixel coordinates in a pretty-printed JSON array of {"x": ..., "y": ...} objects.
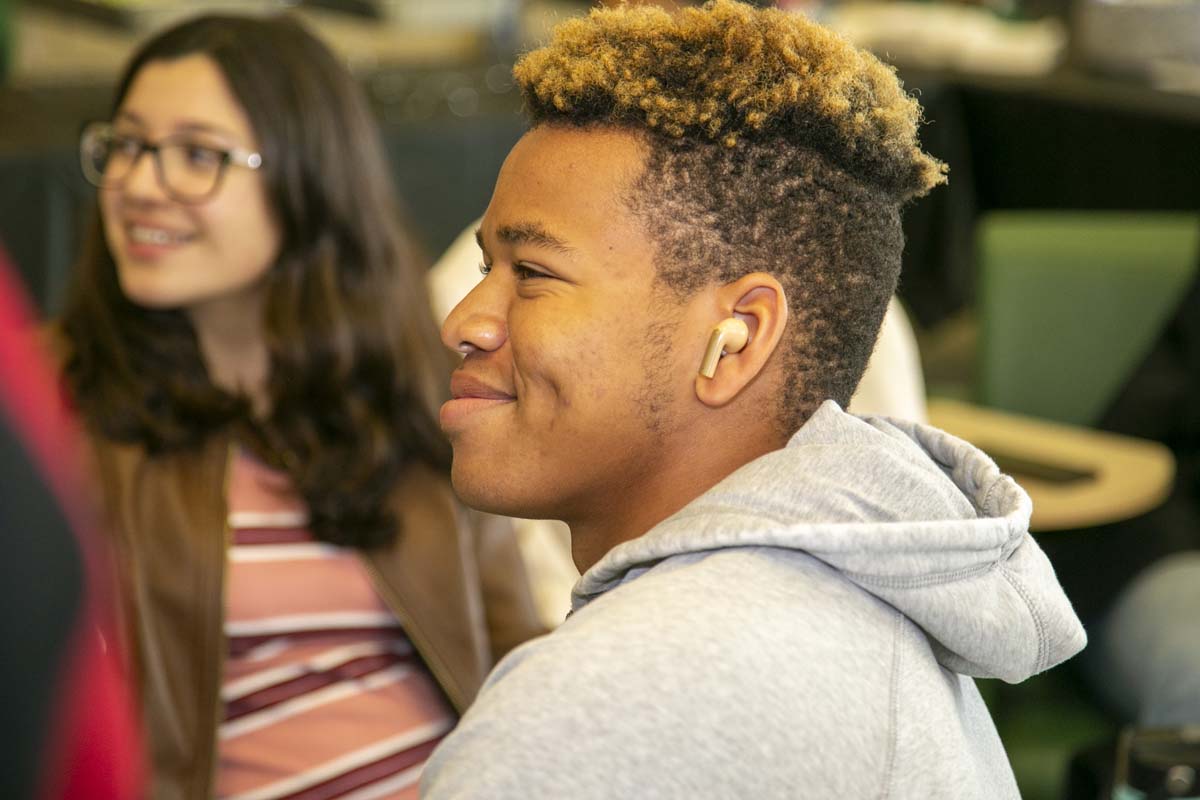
[{"x": 324, "y": 695}]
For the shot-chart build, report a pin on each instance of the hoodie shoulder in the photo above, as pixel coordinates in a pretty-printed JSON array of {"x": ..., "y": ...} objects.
[
  {"x": 916, "y": 517},
  {"x": 724, "y": 687}
]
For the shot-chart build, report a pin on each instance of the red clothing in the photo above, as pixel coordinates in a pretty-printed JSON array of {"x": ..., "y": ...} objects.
[{"x": 81, "y": 738}]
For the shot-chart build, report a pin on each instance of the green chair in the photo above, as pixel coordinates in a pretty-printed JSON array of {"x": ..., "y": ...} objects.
[{"x": 1070, "y": 302}]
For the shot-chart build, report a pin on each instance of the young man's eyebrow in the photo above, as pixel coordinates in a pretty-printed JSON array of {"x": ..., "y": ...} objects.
[{"x": 530, "y": 233}]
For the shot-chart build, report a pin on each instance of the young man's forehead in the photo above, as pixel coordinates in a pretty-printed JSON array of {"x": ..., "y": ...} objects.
[{"x": 569, "y": 151}]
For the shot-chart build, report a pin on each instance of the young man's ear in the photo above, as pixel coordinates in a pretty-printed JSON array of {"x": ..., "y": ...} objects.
[{"x": 758, "y": 303}]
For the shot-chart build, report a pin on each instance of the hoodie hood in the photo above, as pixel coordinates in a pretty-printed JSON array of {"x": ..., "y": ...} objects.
[{"x": 919, "y": 518}]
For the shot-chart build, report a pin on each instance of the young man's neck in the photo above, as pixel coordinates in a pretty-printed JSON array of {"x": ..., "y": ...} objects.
[{"x": 701, "y": 466}]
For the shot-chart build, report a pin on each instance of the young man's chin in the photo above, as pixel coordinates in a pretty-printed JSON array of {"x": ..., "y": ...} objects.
[
  {"x": 486, "y": 493},
  {"x": 477, "y": 492}
]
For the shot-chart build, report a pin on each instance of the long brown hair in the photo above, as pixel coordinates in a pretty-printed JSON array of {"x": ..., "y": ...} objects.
[{"x": 356, "y": 368}]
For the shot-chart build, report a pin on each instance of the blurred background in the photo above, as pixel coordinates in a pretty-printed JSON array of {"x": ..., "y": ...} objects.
[
  {"x": 1056, "y": 266},
  {"x": 1037, "y": 105}
]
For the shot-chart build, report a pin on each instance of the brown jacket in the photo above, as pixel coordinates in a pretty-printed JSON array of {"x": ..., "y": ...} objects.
[{"x": 453, "y": 578}]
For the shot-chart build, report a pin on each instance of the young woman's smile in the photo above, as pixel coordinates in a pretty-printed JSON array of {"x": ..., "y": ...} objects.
[{"x": 175, "y": 254}]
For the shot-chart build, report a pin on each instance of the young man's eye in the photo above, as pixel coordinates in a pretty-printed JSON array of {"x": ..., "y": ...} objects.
[
  {"x": 523, "y": 272},
  {"x": 484, "y": 268}
]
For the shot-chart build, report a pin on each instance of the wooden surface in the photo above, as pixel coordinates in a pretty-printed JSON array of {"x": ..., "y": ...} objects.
[{"x": 1077, "y": 477}]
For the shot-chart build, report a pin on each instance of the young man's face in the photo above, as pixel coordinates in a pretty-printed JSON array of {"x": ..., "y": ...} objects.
[{"x": 578, "y": 365}]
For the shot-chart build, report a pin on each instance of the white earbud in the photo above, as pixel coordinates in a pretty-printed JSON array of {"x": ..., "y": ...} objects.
[{"x": 729, "y": 336}]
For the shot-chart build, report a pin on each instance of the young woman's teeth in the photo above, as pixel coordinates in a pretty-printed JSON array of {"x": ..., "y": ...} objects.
[{"x": 154, "y": 236}]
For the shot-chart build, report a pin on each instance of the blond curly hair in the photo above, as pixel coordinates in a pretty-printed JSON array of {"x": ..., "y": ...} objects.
[
  {"x": 726, "y": 72},
  {"x": 773, "y": 145}
]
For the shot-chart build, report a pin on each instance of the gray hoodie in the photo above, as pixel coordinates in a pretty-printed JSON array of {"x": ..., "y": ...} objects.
[{"x": 806, "y": 628}]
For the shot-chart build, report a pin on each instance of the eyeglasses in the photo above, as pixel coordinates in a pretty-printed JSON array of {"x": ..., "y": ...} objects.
[{"x": 187, "y": 171}]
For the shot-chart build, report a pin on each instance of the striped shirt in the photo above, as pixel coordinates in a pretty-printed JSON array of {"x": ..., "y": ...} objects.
[{"x": 324, "y": 695}]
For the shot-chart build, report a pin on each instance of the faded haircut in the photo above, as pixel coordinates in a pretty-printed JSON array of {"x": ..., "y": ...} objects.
[{"x": 773, "y": 145}]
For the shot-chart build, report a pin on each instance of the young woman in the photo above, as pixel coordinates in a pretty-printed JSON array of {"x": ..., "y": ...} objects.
[{"x": 249, "y": 343}]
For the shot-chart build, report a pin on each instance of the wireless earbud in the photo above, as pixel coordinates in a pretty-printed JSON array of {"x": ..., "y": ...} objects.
[{"x": 729, "y": 336}]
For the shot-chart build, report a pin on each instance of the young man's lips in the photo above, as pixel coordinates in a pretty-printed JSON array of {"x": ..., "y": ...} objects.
[
  {"x": 471, "y": 396},
  {"x": 463, "y": 386}
]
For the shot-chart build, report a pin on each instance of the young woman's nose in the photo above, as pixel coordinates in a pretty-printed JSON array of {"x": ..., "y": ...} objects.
[{"x": 143, "y": 180}]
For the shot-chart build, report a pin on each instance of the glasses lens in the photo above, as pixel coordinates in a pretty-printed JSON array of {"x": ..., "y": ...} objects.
[
  {"x": 107, "y": 157},
  {"x": 191, "y": 171},
  {"x": 94, "y": 148},
  {"x": 188, "y": 171}
]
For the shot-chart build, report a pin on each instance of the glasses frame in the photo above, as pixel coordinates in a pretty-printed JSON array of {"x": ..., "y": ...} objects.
[{"x": 230, "y": 156}]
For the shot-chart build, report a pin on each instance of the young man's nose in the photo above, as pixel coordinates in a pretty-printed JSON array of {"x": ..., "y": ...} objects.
[{"x": 478, "y": 322}]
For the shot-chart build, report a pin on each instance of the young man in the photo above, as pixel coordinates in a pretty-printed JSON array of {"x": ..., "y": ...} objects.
[{"x": 778, "y": 599}]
